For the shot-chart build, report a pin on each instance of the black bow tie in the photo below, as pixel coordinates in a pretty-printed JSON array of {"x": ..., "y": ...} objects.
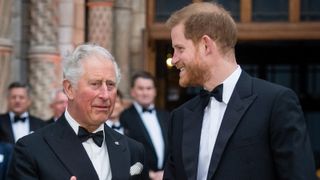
[
  {"x": 84, "y": 135},
  {"x": 18, "y": 118},
  {"x": 117, "y": 127},
  {"x": 149, "y": 110},
  {"x": 216, "y": 93}
]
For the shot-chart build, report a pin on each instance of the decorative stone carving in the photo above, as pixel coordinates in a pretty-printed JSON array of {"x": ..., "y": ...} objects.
[
  {"x": 100, "y": 23},
  {"x": 5, "y": 50},
  {"x": 44, "y": 61}
]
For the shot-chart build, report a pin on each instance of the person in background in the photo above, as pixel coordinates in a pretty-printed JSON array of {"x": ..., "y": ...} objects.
[
  {"x": 18, "y": 122},
  {"x": 238, "y": 127},
  {"x": 113, "y": 121},
  {"x": 5, "y": 157},
  {"x": 147, "y": 124},
  {"x": 58, "y": 104},
  {"x": 80, "y": 145}
]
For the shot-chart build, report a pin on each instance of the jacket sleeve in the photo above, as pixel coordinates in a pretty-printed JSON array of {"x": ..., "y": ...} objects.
[
  {"x": 290, "y": 144},
  {"x": 22, "y": 166}
]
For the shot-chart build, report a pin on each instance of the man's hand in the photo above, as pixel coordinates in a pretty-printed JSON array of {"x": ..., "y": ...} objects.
[
  {"x": 158, "y": 175},
  {"x": 73, "y": 178}
]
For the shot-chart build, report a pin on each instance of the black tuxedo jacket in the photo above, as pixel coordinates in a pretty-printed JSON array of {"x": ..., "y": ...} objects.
[
  {"x": 6, "y": 131},
  {"x": 134, "y": 128},
  {"x": 262, "y": 136},
  {"x": 55, "y": 153},
  {"x": 51, "y": 120}
]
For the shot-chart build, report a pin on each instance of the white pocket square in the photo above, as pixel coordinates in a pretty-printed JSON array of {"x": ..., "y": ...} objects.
[{"x": 136, "y": 169}]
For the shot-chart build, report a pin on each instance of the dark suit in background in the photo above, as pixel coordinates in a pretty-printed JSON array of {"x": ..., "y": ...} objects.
[
  {"x": 6, "y": 130},
  {"x": 134, "y": 128},
  {"x": 18, "y": 99},
  {"x": 5, "y": 157},
  {"x": 146, "y": 123},
  {"x": 57, "y": 153}
]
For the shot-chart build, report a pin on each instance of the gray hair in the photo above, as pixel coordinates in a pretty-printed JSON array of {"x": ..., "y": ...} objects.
[{"x": 72, "y": 68}]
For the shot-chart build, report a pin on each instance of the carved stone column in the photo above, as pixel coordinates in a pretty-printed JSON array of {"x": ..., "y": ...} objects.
[
  {"x": 136, "y": 40},
  {"x": 100, "y": 22},
  {"x": 44, "y": 61},
  {"x": 5, "y": 50},
  {"x": 122, "y": 36}
]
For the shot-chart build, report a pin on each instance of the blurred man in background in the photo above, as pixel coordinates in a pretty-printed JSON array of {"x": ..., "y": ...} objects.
[
  {"x": 18, "y": 122},
  {"x": 58, "y": 104},
  {"x": 147, "y": 124}
]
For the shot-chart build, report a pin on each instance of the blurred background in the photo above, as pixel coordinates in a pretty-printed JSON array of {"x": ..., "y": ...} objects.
[{"x": 279, "y": 40}]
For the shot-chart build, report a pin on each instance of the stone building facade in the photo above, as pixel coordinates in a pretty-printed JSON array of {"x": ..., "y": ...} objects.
[{"x": 35, "y": 35}]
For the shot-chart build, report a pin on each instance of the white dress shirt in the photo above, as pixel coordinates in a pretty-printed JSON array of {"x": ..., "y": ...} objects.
[
  {"x": 152, "y": 125},
  {"x": 213, "y": 115},
  {"x": 19, "y": 128},
  {"x": 111, "y": 123},
  {"x": 98, "y": 155}
]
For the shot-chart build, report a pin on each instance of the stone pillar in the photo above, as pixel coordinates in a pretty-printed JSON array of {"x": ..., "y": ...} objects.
[
  {"x": 122, "y": 37},
  {"x": 79, "y": 22},
  {"x": 44, "y": 61},
  {"x": 137, "y": 36},
  {"x": 100, "y": 22},
  {"x": 66, "y": 26},
  {"x": 5, "y": 50}
]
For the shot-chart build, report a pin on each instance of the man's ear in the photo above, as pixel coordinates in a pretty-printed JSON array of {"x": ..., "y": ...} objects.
[
  {"x": 209, "y": 44},
  {"x": 68, "y": 89}
]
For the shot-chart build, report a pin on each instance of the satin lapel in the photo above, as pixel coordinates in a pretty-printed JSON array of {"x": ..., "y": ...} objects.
[
  {"x": 68, "y": 148},
  {"x": 241, "y": 99},
  {"x": 192, "y": 123},
  {"x": 140, "y": 125},
  {"x": 161, "y": 119},
  {"x": 118, "y": 154},
  {"x": 33, "y": 124},
  {"x": 7, "y": 127}
]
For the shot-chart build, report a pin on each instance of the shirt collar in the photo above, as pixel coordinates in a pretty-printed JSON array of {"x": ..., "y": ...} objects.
[
  {"x": 229, "y": 84},
  {"x": 23, "y": 115},
  {"x": 139, "y": 107},
  {"x": 75, "y": 125}
]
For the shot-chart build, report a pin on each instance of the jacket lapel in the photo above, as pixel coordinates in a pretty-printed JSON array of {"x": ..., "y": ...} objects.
[
  {"x": 68, "y": 148},
  {"x": 140, "y": 125},
  {"x": 192, "y": 124},
  {"x": 163, "y": 125},
  {"x": 34, "y": 125},
  {"x": 118, "y": 154},
  {"x": 7, "y": 128},
  {"x": 240, "y": 100}
]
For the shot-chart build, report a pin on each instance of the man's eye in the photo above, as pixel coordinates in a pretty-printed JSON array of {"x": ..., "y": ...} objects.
[
  {"x": 111, "y": 86},
  {"x": 94, "y": 84}
]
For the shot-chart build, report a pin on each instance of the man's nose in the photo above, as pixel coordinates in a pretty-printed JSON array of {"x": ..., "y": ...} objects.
[
  {"x": 174, "y": 59},
  {"x": 104, "y": 92}
]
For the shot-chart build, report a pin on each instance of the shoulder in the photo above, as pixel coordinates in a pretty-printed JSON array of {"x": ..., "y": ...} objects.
[
  {"x": 5, "y": 147},
  {"x": 162, "y": 111},
  {"x": 131, "y": 109},
  {"x": 4, "y": 116},
  {"x": 36, "y": 137},
  {"x": 269, "y": 89},
  {"x": 128, "y": 115},
  {"x": 36, "y": 119}
]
